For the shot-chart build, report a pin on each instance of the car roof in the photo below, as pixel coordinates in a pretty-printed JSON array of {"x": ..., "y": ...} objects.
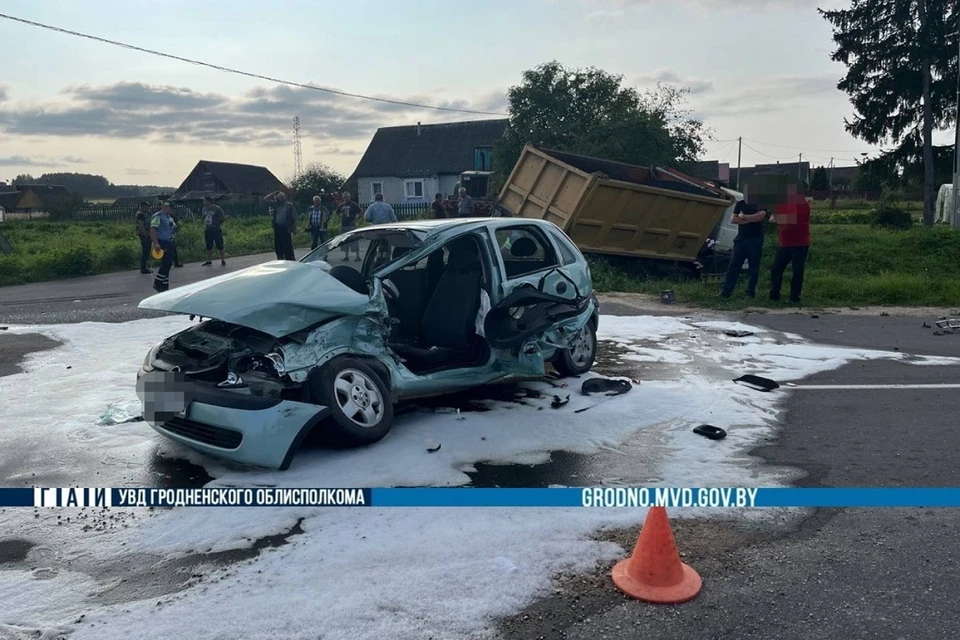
[{"x": 435, "y": 227}]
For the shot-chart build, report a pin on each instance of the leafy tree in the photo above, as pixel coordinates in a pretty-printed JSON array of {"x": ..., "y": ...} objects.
[
  {"x": 590, "y": 112},
  {"x": 820, "y": 181},
  {"x": 317, "y": 180},
  {"x": 24, "y": 178},
  {"x": 901, "y": 74}
]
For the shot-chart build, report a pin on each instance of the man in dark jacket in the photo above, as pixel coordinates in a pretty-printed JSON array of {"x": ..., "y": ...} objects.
[
  {"x": 143, "y": 232},
  {"x": 349, "y": 212},
  {"x": 284, "y": 222}
]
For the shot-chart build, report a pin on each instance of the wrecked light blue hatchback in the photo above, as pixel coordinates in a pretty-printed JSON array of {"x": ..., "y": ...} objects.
[{"x": 431, "y": 307}]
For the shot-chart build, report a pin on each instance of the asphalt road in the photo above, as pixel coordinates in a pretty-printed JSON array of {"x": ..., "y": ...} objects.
[
  {"x": 836, "y": 573},
  {"x": 857, "y": 573}
]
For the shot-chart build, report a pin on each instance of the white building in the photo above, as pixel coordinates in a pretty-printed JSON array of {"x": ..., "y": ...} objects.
[{"x": 411, "y": 164}]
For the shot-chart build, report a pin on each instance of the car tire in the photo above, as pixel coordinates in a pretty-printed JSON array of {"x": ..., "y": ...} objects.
[
  {"x": 578, "y": 359},
  {"x": 359, "y": 401}
]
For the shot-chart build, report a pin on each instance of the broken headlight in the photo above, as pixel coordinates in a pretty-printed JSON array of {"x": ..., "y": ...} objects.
[
  {"x": 151, "y": 356},
  {"x": 270, "y": 363}
]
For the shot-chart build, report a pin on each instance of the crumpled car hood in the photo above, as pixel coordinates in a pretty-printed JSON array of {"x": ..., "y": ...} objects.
[{"x": 278, "y": 298}]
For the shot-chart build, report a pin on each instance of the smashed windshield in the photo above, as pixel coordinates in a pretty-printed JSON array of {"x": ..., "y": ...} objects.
[{"x": 366, "y": 251}]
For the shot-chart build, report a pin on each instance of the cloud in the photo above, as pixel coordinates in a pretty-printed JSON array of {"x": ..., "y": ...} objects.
[
  {"x": 261, "y": 117},
  {"x": 24, "y": 161},
  {"x": 775, "y": 94},
  {"x": 139, "y": 172},
  {"x": 4, "y": 92},
  {"x": 697, "y": 86}
]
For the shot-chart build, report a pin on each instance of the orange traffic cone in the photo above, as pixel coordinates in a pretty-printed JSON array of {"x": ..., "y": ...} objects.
[{"x": 654, "y": 572}]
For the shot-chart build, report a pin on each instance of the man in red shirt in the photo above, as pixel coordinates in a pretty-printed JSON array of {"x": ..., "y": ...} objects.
[{"x": 793, "y": 230}]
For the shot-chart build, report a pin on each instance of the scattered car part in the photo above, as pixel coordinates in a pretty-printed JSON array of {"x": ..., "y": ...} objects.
[
  {"x": 710, "y": 431},
  {"x": 559, "y": 402},
  {"x": 738, "y": 334},
  {"x": 434, "y": 449},
  {"x": 668, "y": 297},
  {"x": 607, "y": 386},
  {"x": 758, "y": 383}
]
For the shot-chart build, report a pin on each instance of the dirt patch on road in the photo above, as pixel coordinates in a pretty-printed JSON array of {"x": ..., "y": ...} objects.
[{"x": 14, "y": 347}]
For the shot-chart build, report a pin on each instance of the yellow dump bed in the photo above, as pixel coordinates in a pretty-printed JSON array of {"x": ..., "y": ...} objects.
[{"x": 615, "y": 208}]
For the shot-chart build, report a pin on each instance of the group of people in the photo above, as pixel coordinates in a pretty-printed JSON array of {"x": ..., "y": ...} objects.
[
  {"x": 787, "y": 207},
  {"x": 157, "y": 227},
  {"x": 157, "y": 231}
]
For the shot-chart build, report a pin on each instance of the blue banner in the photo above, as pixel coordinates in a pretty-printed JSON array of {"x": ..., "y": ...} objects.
[{"x": 567, "y": 497}]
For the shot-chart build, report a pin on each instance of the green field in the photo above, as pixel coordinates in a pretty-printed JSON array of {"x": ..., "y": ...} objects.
[
  {"x": 46, "y": 250},
  {"x": 850, "y": 264}
]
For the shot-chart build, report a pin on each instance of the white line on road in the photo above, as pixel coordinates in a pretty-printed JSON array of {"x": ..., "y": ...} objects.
[{"x": 871, "y": 386}]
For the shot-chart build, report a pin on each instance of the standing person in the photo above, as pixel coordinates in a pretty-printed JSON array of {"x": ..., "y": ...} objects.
[
  {"x": 438, "y": 210},
  {"x": 748, "y": 245},
  {"x": 349, "y": 212},
  {"x": 318, "y": 220},
  {"x": 173, "y": 239},
  {"x": 379, "y": 212},
  {"x": 212, "y": 230},
  {"x": 284, "y": 222},
  {"x": 465, "y": 204},
  {"x": 793, "y": 235},
  {"x": 143, "y": 232},
  {"x": 161, "y": 236}
]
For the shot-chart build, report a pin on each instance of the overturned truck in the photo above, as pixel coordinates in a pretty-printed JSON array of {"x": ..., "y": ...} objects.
[{"x": 619, "y": 209}]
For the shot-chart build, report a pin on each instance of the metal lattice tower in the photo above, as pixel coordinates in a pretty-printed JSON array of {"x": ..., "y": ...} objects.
[{"x": 297, "y": 151}]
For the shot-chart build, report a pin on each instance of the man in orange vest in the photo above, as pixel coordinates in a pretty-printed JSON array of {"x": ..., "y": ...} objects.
[{"x": 792, "y": 217}]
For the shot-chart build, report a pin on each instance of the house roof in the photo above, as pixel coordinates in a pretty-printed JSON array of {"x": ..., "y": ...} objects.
[
  {"x": 9, "y": 199},
  {"x": 424, "y": 150},
  {"x": 239, "y": 178},
  {"x": 44, "y": 190}
]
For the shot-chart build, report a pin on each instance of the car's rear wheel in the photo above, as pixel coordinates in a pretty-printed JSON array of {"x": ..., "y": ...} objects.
[
  {"x": 579, "y": 358},
  {"x": 358, "y": 399}
]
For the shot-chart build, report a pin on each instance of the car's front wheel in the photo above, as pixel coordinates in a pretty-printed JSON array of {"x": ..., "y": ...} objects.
[
  {"x": 358, "y": 399},
  {"x": 579, "y": 358}
]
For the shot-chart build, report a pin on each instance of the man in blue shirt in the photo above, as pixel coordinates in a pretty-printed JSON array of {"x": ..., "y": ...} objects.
[
  {"x": 319, "y": 217},
  {"x": 161, "y": 236},
  {"x": 379, "y": 212}
]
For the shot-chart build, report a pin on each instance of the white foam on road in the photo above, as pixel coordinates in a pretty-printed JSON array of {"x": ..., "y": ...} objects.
[{"x": 398, "y": 573}]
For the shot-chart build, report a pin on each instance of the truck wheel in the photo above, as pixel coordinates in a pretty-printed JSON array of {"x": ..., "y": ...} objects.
[
  {"x": 358, "y": 399},
  {"x": 578, "y": 359}
]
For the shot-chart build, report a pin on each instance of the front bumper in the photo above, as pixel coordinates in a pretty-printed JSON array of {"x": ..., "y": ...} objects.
[{"x": 265, "y": 432}]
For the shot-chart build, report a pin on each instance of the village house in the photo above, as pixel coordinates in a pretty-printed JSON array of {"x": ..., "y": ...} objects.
[
  {"x": 410, "y": 164},
  {"x": 30, "y": 198},
  {"x": 227, "y": 181}
]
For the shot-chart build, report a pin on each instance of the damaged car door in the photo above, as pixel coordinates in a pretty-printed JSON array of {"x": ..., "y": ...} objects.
[{"x": 545, "y": 304}]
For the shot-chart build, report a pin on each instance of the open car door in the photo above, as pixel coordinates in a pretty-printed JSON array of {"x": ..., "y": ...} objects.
[{"x": 534, "y": 319}]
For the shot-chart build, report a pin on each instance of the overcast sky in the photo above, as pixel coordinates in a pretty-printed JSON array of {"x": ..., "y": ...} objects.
[{"x": 756, "y": 68}]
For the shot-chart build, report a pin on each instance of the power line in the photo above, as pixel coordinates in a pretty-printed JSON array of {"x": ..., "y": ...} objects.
[
  {"x": 246, "y": 73},
  {"x": 780, "y": 146}
]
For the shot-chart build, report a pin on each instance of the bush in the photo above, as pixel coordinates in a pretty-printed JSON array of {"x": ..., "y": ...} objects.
[
  {"x": 890, "y": 216},
  {"x": 76, "y": 261},
  {"x": 840, "y": 217},
  {"x": 119, "y": 256}
]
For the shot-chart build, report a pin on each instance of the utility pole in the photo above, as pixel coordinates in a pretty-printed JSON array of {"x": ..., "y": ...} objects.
[
  {"x": 799, "y": 166},
  {"x": 831, "y": 174},
  {"x": 955, "y": 214},
  {"x": 739, "y": 149}
]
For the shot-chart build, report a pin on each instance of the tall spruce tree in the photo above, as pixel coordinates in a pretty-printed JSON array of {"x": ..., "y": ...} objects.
[{"x": 901, "y": 76}]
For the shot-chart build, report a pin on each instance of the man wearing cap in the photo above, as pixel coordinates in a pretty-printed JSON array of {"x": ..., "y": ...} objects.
[{"x": 161, "y": 236}]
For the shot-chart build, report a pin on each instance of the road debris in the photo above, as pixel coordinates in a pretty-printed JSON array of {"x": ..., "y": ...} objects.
[
  {"x": 710, "y": 431},
  {"x": 758, "y": 383}
]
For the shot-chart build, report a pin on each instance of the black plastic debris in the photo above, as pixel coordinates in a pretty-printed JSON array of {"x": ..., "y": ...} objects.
[
  {"x": 758, "y": 383},
  {"x": 668, "y": 297},
  {"x": 738, "y": 334},
  {"x": 434, "y": 450},
  {"x": 926, "y": 325},
  {"x": 710, "y": 431},
  {"x": 559, "y": 402},
  {"x": 606, "y": 386},
  {"x": 4, "y": 328}
]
